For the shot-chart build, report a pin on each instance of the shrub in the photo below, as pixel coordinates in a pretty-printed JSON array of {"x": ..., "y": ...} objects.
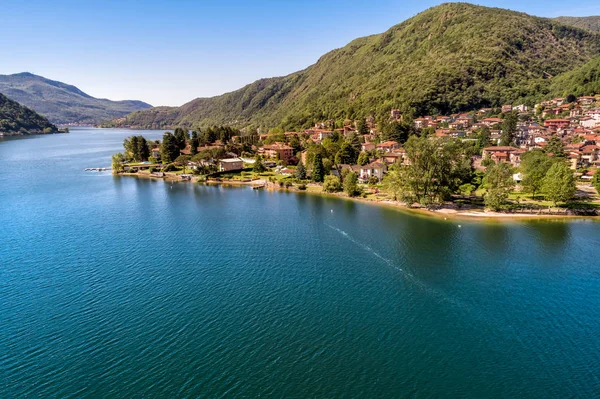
[
  {"x": 302, "y": 187},
  {"x": 332, "y": 184}
]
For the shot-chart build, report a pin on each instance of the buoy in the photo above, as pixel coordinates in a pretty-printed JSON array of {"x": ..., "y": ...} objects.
[
  {"x": 459, "y": 226},
  {"x": 332, "y": 211}
]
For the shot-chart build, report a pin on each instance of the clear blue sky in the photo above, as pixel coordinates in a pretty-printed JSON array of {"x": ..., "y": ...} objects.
[{"x": 170, "y": 52}]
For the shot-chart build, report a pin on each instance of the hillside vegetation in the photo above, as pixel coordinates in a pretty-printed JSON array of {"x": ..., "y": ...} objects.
[
  {"x": 582, "y": 81},
  {"x": 17, "y": 119},
  {"x": 450, "y": 58},
  {"x": 62, "y": 103},
  {"x": 589, "y": 23}
]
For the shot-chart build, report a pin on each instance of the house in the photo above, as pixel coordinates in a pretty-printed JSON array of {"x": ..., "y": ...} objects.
[
  {"x": 594, "y": 114},
  {"x": 588, "y": 122},
  {"x": 388, "y": 146},
  {"x": 396, "y": 115},
  {"x": 557, "y": 123},
  {"x": 500, "y": 153},
  {"x": 391, "y": 158},
  {"x": 521, "y": 108},
  {"x": 364, "y": 147},
  {"x": 590, "y": 154},
  {"x": 231, "y": 164},
  {"x": 421, "y": 123},
  {"x": 586, "y": 100},
  {"x": 507, "y": 108},
  {"x": 156, "y": 152},
  {"x": 374, "y": 169},
  {"x": 278, "y": 151},
  {"x": 576, "y": 112},
  {"x": 491, "y": 121}
]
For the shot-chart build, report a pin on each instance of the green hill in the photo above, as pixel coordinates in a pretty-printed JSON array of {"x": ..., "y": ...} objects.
[
  {"x": 589, "y": 23},
  {"x": 453, "y": 57},
  {"x": 16, "y": 119},
  {"x": 62, "y": 103},
  {"x": 582, "y": 81}
]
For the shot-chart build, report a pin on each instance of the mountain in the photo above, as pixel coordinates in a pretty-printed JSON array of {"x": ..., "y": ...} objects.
[
  {"x": 450, "y": 58},
  {"x": 62, "y": 103},
  {"x": 589, "y": 23},
  {"x": 16, "y": 119},
  {"x": 581, "y": 81}
]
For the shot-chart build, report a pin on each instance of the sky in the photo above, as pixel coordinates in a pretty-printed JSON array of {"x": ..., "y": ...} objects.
[{"x": 170, "y": 52}]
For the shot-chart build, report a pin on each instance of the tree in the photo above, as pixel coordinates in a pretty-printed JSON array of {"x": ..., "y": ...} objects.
[
  {"x": 397, "y": 131},
  {"x": 142, "y": 151},
  {"x": 362, "y": 127},
  {"x": 351, "y": 184},
  {"x": 117, "y": 162},
  {"x": 363, "y": 158},
  {"x": 318, "y": 171},
  {"x": 346, "y": 155},
  {"x": 259, "y": 167},
  {"x": 169, "y": 149},
  {"x": 559, "y": 184},
  {"x": 596, "y": 181},
  {"x": 354, "y": 141},
  {"x": 181, "y": 136},
  {"x": 509, "y": 127},
  {"x": 534, "y": 165},
  {"x": 183, "y": 161},
  {"x": 498, "y": 182},
  {"x": 555, "y": 147},
  {"x": 332, "y": 184},
  {"x": 436, "y": 168},
  {"x": 570, "y": 99},
  {"x": 483, "y": 138},
  {"x": 393, "y": 181},
  {"x": 194, "y": 144},
  {"x": 300, "y": 171}
]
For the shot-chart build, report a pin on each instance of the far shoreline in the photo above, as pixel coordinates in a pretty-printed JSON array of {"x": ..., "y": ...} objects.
[{"x": 444, "y": 213}]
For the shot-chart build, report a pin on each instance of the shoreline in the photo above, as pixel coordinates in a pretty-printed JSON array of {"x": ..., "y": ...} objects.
[{"x": 442, "y": 213}]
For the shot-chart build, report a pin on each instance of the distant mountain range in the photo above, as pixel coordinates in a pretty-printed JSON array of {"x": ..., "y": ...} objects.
[
  {"x": 450, "y": 58},
  {"x": 589, "y": 23},
  {"x": 62, "y": 103},
  {"x": 16, "y": 119}
]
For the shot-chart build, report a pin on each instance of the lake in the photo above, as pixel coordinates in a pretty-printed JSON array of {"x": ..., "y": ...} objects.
[{"x": 123, "y": 287}]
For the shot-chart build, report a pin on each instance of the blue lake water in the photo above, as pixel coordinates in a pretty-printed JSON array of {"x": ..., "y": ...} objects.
[{"x": 122, "y": 287}]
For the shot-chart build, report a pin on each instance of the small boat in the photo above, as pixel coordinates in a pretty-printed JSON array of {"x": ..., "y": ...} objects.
[{"x": 258, "y": 187}]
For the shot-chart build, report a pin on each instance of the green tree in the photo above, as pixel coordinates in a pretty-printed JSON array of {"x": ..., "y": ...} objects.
[
  {"x": 509, "y": 127},
  {"x": 300, "y": 171},
  {"x": 332, "y": 184},
  {"x": 181, "y": 136},
  {"x": 169, "y": 149},
  {"x": 346, "y": 155},
  {"x": 596, "y": 181},
  {"x": 559, "y": 184},
  {"x": 351, "y": 187},
  {"x": 363, "y": 158},
  {"x": 194, "y": 144},
  {"x": 259, "y": 167},
  {"x": 117, "y": 162},
  {"x": 142, "y": 150},
  {"x": 555, "y": 147},
  {"x": 362, "y": 127},
  {"x": 484, "y": 137},
  {"x": 498, "y": 182},
  {"x": 534, "y": 165},
  {"x": 354, "y": 141},
  {"x": 318, "y": 171},
  {"x": 436, "y": 168}
]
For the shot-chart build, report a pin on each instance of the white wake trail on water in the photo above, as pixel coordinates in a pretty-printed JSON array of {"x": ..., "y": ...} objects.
[{"x": 407, "y": 275}]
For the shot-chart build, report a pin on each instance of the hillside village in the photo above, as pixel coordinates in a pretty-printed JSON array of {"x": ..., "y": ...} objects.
[{"x": 561, "y": 128}]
